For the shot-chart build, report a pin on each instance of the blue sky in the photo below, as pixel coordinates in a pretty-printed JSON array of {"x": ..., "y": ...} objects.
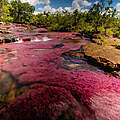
[{"x": 53, "y": 5}]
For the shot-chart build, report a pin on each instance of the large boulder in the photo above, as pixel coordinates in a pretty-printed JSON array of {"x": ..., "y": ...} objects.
[{"x": 107, "y": 56}]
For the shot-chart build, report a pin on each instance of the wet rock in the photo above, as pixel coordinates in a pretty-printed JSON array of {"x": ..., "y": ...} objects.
[
  {"x": 117, "y": 46},
  {"x": 58, "y": 45},
  {"x": 74, "y": 53},
  {"x": 6, "y": 31},
  {"x": 1, "y": 39},
  {"x": 107, "y": 56},
  {"x": 40, "y": 30},
  {"x": 7, "y": 88},
  {"x": 18, "y": 29},
  {"x": 24, "y": 39},
  {"x": 9, "y": 38}
]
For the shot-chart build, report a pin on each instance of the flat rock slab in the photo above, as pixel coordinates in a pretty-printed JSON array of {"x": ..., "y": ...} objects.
[
  {"x": 107, "y": 41},
  {"x": 108, "y": 56}
]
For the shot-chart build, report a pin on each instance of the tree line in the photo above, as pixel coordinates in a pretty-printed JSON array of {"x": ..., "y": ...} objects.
[{"x": 100, "y": 18}]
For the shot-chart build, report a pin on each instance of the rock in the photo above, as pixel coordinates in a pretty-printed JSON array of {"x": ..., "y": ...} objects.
[
  {"x": 26, "y": 39},
  {"x": 107, "y": 56},
  {"x": 9, "y": 38},
  {"x": 40, "y": 30},
  {"x": 58, "y": 45},
  {"x": 7, "y": 88},
  {"x": 74, "y": 53},
  {"x": 8, "y": 32},
  {"x": 17, "y": 29},
  {"x": 1, "y": 39},
  {"x": 107, "y": 41},
  {"x": 5, "y": 31}
]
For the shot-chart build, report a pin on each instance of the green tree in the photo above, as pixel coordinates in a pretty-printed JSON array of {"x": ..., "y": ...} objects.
[
  {"x": 21, "y": 12},
  {"x": 5, "y": 11},
  {"x": 101, "y": 15}
]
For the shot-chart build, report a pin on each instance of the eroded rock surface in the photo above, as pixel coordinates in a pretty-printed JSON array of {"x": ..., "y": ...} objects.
[
  {"x": 108, "y": 56},
  {"x": 107, "y": 41}
]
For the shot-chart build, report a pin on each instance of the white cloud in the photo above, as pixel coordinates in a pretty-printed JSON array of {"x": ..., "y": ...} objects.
[
  {"x": 35, "y": 2},
  {"x": 78, "y": 4},
  {"x": 36, "y": 12},
  {"x": 84, "y": 10},
  {"x": 60, "y": 9},
  {"x": 68, "y": 9},
  {"x": 48, "y": 8},
  {"x": 96, "y": 2},
  {"x": 53, "y": 10},
  {"x": 118, "y": 8},
  {"x": 118, "y": 5}
]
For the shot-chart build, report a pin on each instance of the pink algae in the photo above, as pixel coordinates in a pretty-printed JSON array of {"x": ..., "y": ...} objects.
[{"x": 56, "y": 93}]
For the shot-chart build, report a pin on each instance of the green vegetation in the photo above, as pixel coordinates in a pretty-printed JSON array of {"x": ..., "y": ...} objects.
[
  {"x": 100, "y": 19},
  {"x": 102, "y": 42},
  {"x": 15, "y": 11}
]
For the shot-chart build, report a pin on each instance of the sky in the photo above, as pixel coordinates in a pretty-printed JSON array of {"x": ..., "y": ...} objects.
[{"x": 70, "y": 5}]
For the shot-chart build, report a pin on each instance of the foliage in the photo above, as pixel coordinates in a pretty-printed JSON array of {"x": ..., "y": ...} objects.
[
  {"x": 5, "y": 11},
  {"x": 21, "y": 12},
  {"x": 99, "y": 19},
  {"x": 102, "y": 42}
]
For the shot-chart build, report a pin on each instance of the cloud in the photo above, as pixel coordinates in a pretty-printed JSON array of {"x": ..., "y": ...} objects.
[
  {"x": 96, "y": 2},
  {"x": 118, "y": 8},
  {"x": 48, "y": 8},
  {"x": 35, "y": 2},
  {"x": 68, "y": 9},
  {"x": 53, "y": 10},
  {"x": 36, "y": 12},
  {"x": 78, "y": 4},
  {"x": 60, "y": 9},
  {"x": 118, "y": 5}
]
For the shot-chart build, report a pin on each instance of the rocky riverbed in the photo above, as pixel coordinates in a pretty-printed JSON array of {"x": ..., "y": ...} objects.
[{"x": 48, "y": 76}]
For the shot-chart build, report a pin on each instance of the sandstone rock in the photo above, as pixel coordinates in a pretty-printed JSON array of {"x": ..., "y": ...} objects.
[
  {"x": 107, "y": 41},
  {"x": 107, "y": 56},
  {"x": 74, "y": 53}
]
